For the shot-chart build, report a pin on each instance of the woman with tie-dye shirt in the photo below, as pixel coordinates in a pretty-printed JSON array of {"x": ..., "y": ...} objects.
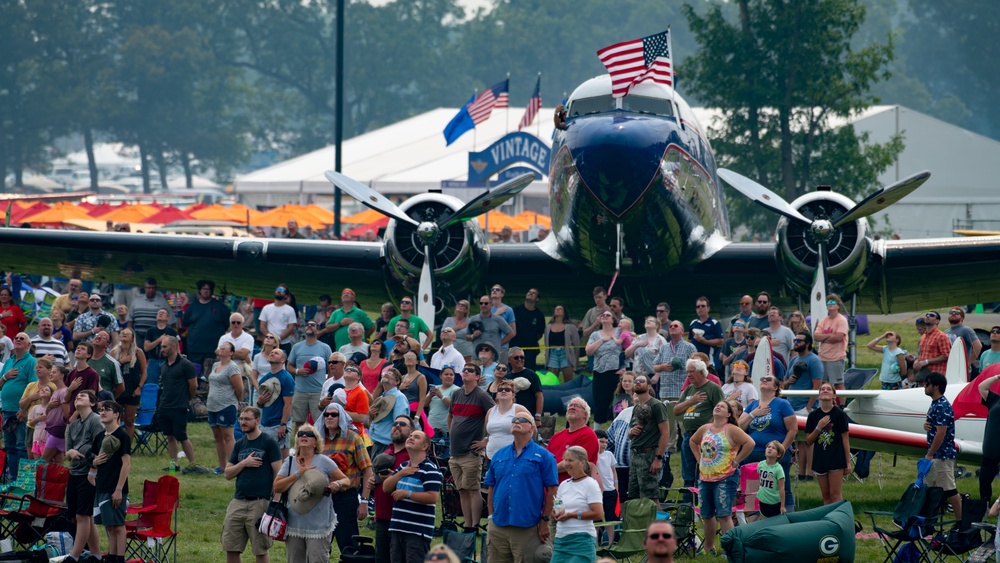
[{"x": 719, "y": 447}]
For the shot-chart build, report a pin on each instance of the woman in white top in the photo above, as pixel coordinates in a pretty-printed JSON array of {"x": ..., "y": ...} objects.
[
  {"x": 225, "y": 389},
  {"x": 498, "y": 420},
  {"x": 440, "y": 404},
  {"x": 580, "y": 502},
  {"x": 646, "y": 347},
  {"x": 738, "y": 385}
]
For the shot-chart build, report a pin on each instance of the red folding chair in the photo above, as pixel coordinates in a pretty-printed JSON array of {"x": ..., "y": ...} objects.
[
  {"x": 38, "y": 512},
  {"x": 153, "y": 537}
]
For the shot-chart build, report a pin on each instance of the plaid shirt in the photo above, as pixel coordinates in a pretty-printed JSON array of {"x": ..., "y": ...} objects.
[
  {"x": 672, "y": 381},
  {"x": 353, "y": 448},
  {"x": 933, "y": 344}
]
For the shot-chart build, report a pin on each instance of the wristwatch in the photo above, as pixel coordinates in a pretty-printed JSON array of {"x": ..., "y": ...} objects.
[{"x": 545, "y": 518}]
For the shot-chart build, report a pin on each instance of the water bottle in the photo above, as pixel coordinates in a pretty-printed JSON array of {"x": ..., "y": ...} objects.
[
  {"x": 173, "y": 468},
  {"x": 557, "y": 506}
]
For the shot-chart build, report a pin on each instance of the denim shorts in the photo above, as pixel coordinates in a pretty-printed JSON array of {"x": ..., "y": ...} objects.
[
  {"x": 717, "y": 496},
  {"x": 225, "y": 417},
  {"x": 557, "y": 359}
]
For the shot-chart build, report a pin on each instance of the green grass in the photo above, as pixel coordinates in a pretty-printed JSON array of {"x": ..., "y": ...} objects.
[{"x": 203, "y": 499}]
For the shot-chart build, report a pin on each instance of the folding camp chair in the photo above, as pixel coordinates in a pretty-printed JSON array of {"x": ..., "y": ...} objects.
[
  {"x": 746, "y": 498},
  {"x": 463, "y": 543},
  {"x": 636, "y": 516},
  {"x": 951, "y": 541},
  {"x": 41, "y": 509},
  {"x": 915, "y": 516},
  {"x": 154, "y": 536},
  {"x": 858, "y": 378},
  {"x": 148, "y": 439}
]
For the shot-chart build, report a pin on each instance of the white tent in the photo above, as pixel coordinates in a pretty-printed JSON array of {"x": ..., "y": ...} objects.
[{"x": 404, "y": 158}]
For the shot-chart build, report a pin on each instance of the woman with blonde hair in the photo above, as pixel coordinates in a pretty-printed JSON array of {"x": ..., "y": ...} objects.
[
  {"x": 133, "y": 365},
  {"x": 310, "y": 535},
  {"x": 580, "y": 503},
  {"x": 797, "y": 323},
  {"x": 225, "y": 390},
  {"x": 260, "y": 365},
  {"x": 738, "y": 385}
]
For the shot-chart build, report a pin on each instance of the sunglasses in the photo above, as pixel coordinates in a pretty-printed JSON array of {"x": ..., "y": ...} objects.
[
  {"x": 95, "y": 299},
  {"x": 831, "y": 302},
  {"x": 305, "y": 434},
  {"x": 277, "y": 289},
  {"x": 763, "y": 301},
  {"x": 401, "y": 424},
  {"x": 484, "y": 302},
  {"x": 436, "y": 557},
  {"x": 795, "y": 315},
  {"x": 500, "y": 369},
  {"x": 519, "y": 420},
  {"x": 312, "y": 324},
  {"x": 20, "y": 338},
  {"x": 515, "y": 358},
  {"x": 331, "y": 415},
  {"x": 798, "y": 340},
  {"x": 496, "y": 290},
  {"x": 763, "y": 379},
  {"x": 660, "y": 535},
  {"x": 700, "y": 306},
  {"x": 505, "y": 390},
  {"x": 334, "y": 362},
  {"x": 995, "y": 331},
  {"x": 931, "y": 315},
  {"x": 640, "y": 380},
  {"x": 406, "y": 302},
  {"x": 469, "y": 370},
  {"x": 235, "y": 322},
  {"x": 739, "y": 325},
  {"x": 661, "y": 310},
  {"x": 955, "y": 313}
]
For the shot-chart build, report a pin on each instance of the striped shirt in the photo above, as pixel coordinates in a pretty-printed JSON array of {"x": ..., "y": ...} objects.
[
  {"x": 50, "y": 347},
  {"x": 619, "y": 442},
  {"x": 411, "y": 517}
]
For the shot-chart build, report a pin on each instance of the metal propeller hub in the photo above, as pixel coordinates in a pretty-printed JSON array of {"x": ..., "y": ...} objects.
[
  {"x": 428, "y": 231},
  {"x": 821, "y": 229}
]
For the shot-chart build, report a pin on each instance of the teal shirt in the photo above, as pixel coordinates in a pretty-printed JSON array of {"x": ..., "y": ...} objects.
[
  {"x": 12, "y": 390},
  {"x": 340, "y": 336},
  {"x": 988, "y": 358}
]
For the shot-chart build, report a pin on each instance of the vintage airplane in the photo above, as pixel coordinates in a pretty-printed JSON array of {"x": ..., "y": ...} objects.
[{"x": 635, "y": 195}]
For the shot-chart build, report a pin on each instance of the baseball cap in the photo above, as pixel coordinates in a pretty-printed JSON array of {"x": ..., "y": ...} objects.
[{"x": 315, "y": 364}]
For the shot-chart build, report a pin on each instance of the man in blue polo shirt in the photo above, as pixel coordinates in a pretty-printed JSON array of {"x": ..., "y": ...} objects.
[{"x": 522, "y": 482}]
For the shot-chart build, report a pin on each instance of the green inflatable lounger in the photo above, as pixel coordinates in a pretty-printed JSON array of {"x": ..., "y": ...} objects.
[{"x": 821, "y": 535}]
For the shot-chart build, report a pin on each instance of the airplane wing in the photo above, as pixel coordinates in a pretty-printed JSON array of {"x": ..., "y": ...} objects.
[
  {"x": 899, "y": 442},
  {"x": 240, "y": 266},
  {"x": 841, "y": 393}
]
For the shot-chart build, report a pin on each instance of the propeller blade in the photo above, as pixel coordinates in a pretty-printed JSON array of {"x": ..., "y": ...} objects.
[
  {"x": 883, "y": 198},
  {"x": 489, "y": 200},
  {"x": 368, "y": 197},
  {"x": 761, "y": 195},
  {"x": 425, "y": 294},
  {"x": 817, "y": 298}
]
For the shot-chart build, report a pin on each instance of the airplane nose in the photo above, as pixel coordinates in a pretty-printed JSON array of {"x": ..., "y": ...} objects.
[{"x": 618, "y": 156}]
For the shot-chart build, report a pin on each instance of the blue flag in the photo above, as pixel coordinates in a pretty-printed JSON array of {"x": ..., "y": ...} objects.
[{"x": 459, "y": 124}]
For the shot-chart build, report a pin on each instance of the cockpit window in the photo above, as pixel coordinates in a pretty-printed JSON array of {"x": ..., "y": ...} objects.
[
  {"x": 640, "y": 104},
  {"x": 655, "y": 106},
  {"x": 598, "y": 104}
]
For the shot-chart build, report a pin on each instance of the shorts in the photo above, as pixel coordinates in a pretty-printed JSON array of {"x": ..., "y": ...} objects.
[
  {"x": 833, "y": 372},
  {"x": 557, "y": 359},
  {"x": 942, "y": 474},
  {"x": 225, "y": 417},
  {"x": 240, "y": 526},
  {"x": 173, "y": 422},
  {"x": 37, "y": 447},
  {"x": 29, "y": 436},
  {"x": 887, "y": 386},
  {"x": 80, "y": 496},
  {"x": 128, "y": 400},
  {"x": 717, "y": 496},
  {"x": 769, "y": 510},
  {"x": 305, "y": 403},
  {"x": 55, "y": 443},
  {"x": 105, "y": 513},
  {"x": 467, "y": 471},
  {"x": 272, "y": 431}
]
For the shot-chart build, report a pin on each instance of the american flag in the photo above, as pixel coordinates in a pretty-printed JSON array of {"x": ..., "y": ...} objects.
[
  {"x": 633, "y": 61},
  {"x": 495, "y": 97},
  {"x": 534, "y": 104}
]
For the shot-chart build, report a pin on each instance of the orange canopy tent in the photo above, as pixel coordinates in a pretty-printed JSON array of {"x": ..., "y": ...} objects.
[
  {"x": 17, "y": 215},
  {"x": 363, "y": 218},
  {"x": 279, "y": 217},
  {"x": 218, "y": 212},
  {"x": 167, "y": 215},
  {"x": 373, "y": 226},
  {"x": 324, "y": 214},
  {"x": 499, "y": 220},
  {"x": 135, "y": 213},
  {"x": 533, "y": 218},
  {"x": 100, "y": 209},
  {"x": 56, "y": 214}
]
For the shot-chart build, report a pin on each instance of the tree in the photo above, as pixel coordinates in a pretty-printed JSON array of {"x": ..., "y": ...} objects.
[{"x": 780, "y": 70}]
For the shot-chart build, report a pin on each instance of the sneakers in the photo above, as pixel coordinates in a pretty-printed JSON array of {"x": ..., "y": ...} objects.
[
  {"x": 195, "y": 469},
  {"x": 217, "y": 471}
]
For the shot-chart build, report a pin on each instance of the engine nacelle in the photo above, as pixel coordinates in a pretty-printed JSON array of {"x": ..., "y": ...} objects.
[
  {"x": 461, "y": 253},
  {"x": 848, "y": 250}
]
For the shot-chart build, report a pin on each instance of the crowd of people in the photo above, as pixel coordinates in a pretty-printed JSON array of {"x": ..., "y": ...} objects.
[{"x": 342, "y": 411}]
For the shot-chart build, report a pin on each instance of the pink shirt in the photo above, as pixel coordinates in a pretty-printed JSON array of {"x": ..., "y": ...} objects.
[{"x": 833, "y": 351}]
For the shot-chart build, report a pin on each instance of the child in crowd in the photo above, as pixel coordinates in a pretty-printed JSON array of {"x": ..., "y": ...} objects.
[
  {"x": 609, "y": 476},
  {"x": 771, "y": 495},
  {"x": 36, "y": 418}
]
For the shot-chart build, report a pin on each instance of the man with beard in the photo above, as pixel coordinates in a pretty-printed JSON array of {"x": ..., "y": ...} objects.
[
  {"x": 151, "y": 345},
  {"x": 763, "y": 303},
  {"x": 308, "y": 379},
  {"x": 276, "y": 405},
  {"x": 530, "y": 324},
  {"x": 416, "y": 325},
  {"x": 805, "y": 371},
  {"x": 107, "y": 368},
  {"x": 46, "y": 345},
  {"x": 487, "y": 326},
  {"x": 957, "y": 329},
  {"x": 254, "y": 462},
  {"x": 142, "y": 313},
  {"x": 67, "y": 301},
  {"x": 206, "y": 319},
  {"x": 402, "y": 426},
  {"x": 649, "y": 440},
  {"x": 991, "y": 356},
  {"x": 178, "y": 385},
  {"x": 93, "y": 320},
  {"x": 670, "y": 373}
]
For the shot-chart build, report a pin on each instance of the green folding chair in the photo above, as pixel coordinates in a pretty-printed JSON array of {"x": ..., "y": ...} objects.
[{"x": 637, "y": 514}]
